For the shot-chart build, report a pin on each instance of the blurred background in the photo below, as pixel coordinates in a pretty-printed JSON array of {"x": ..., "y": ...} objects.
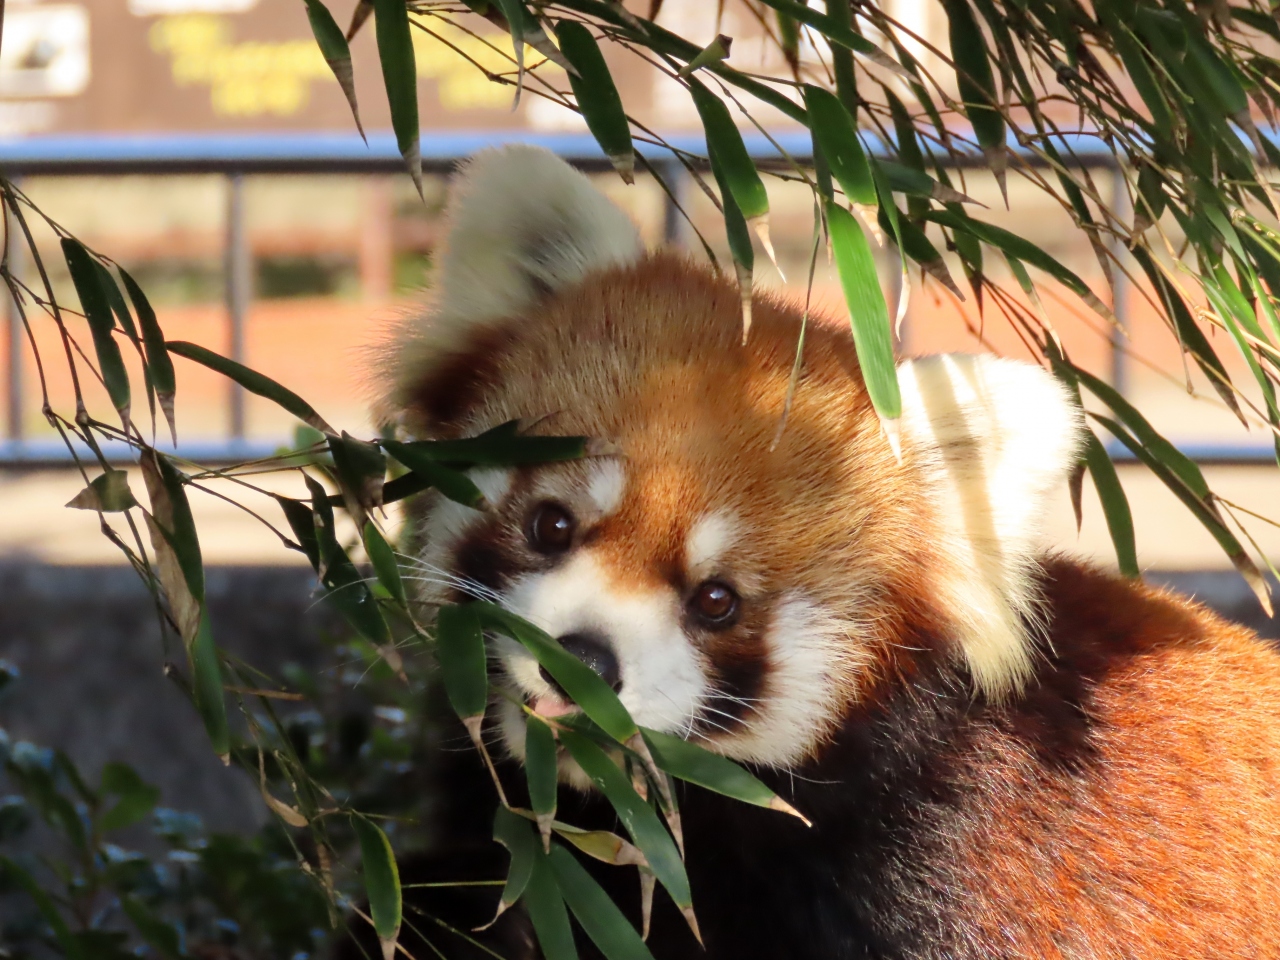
[{"x": 205, "y": 146}]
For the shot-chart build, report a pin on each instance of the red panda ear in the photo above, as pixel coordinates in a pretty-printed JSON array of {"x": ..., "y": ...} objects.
[
  {"x": 521, "y": 223},
  {"x": 993, "y": 438}
]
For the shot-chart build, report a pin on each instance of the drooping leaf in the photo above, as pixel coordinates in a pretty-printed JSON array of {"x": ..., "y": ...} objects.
[
  {"x": 108, "y": 493},
  {"x": 739, "y": 236},
  {"x": 460, "y": 648},
  {"x": 868, "y": 313},
  {"x": 206, "y": 682},
  {"x": 545, "y": 903},
  {"x": 361, "y": 470},
  {"x": 639, "y": 819},
  {"x": 1115, "y": 505},
  {"x": 690, "y": 762},
  {"x": 159, "y": 364},
  {"x": 337, "y": 53},
  {"x": 453, "y": 484},
  {"x": 597, "y": 96},
  {"x": 596, "y": 912},
  {"x": 97, "y": 310},
  {"x": 516, "y": 834},
  {"x": 344, "y": 587},
  {"x": 381, "y": 882},
  {"x": 837, "y": 135},
  {"x": 252, "y": 381},
  {"x": 977, "y": 86},
  {"x": 734, "y": 161},
  {"x": 542, "y": 774},
  {"x": 400, "y": 77},
  {"x": 384, "y": 562},
  {"x": 583, "y": 685},
  {"x": 501, "y": 446}
]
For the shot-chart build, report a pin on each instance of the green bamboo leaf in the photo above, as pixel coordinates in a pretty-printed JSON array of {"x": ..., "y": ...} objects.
[
  {"x": 337, "y": 53},
  {"x": 206, "y": 683},
  {"x": 97, "y": 310},
  {"x": 690, "y": 762},
  {"x": 868, "y": 313},
  {"x": 788, "y": 41},
  {"x": 540, "y": 769},
  {"x": 381, "y": 882},
  {"x": 915, "y": 183},
  {"x": 837, "y": 135},
  {"x": 597, "y": 96},
  {"x": 1144, "y": 81},
  {"x": 1203, "y": 511},
  {"x": 599, "y": 916},
  {"x": 639, "y": 819},
  {"x": 114, "y": 299},
  {"x": 837, "y": 31},
  {"x": 516, "y": 834},
  {"x": 977, "y": 86},
  {"x": 13, "y": 873},
  {"x": 400, "y": 76},
  {"x": 166, "y": 488},
  {"x": 159, "y": 364},
  {"x": 252, "y": 381},
  {"x": 1024, "y": 250},
  {"x": 501, "y": 446},
  {"x": 545, "y": 904},
  {"x": 917, "y": 246},
  {"x": 736, "y": 165},
  {"x": 584, "y": 686},
  {"x": 343, "y": 584},
  {"x": 136, "y": 797},
  {"x": 361, "y": 469},
  {"x": 1161, "y": 448},
  {"x": 602, "y": 845},
  {"x": 840, "y": 20},
  {"x": 384, "y": 562},
  {"x": 738, "y": 235},
  {"x": 460, "y": 648},
  {"x": 1115, "y": 505},
  {"x": 453, "y": 484},
  {"x": 156, "y": 932},
  {"x": 302, "y": 522},
  {"x": 108, "y": 493}
]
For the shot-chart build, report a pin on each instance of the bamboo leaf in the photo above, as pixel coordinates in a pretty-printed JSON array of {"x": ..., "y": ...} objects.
[
  {"x": 516, "y": 834},
  {"x": 344, "y": 587},
  {"x": 252, "y": 381},
  {"x": 868, "y": 313},
  {"x": 597, "y": 96},
  {"x": 584, "y": 686},
  {"x": 206, "y": 683},
  {"x": 602, "y": 845},
  {"x": 1115, "y": 505},
  {"x": 108, "y": 493},
  {"x": 739, "y": 237},
  {"x": 837, "y": 32},
  {"x": 337, "y": 53},
  {"x": 837, "y": 135},
  {"x": 501, "y": 446},
  {"x": 596, "y": 912},
  {"x": 381, "y": 882},
  {"x": 715, "y": 51},
  {"x": 400, "y": 77},
  {"x": 362, "y": 470},
  {"x": 97, "y": 310},
  {"x": 540, "y": 769},
  {"x": 545, "y": 903},
  {"x": 384, "y": 562},
  {"x": 453, "y": 484},
  {"x": 977, "y": 86},
  {"x": 159, "y": 364},
  {"x": 460, "y": 648},
  {"x": 730, "y": 154},
  {"x": 639, "y": 819},
  {"x": 302, "y": 522},
  {"x": 690, "y": 762}
]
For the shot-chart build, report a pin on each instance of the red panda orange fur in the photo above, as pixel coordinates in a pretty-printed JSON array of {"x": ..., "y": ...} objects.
[{"x": 1122, "y": 801}]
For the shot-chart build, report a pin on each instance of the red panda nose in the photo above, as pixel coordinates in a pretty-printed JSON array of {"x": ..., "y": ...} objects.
[{"x": 593, "y": 650}]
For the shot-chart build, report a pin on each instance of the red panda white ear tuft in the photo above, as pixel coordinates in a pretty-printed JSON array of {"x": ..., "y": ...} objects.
[
  {"x": 521, "y": 223},
  {"x": 993, "y": 438}
]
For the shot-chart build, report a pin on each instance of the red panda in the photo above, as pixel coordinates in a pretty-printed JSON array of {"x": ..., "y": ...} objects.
[{"x": 1003, "y": 752}]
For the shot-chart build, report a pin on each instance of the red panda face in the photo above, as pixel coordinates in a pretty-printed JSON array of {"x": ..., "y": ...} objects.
[{"x": 735, "y": 583}]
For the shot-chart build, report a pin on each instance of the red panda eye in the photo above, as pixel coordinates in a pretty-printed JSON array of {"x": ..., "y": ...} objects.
[
  {"x": 550, "y": 529},
  {"x": 714, "y": 602}
]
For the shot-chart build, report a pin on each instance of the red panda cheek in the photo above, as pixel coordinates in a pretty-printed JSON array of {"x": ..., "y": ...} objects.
[{"x": 738, "y": 670}]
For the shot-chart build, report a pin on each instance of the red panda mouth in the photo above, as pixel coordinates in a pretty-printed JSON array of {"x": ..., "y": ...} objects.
[{"x": 551, "y": 705}]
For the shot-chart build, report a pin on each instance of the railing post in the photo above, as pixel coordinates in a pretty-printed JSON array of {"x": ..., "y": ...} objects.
[
  {"x": 16, "y": 340},
  {"x": 239, "y": 283},
  {"x": 673, "y": 222},
  {"x": 1120, "y": 289}
]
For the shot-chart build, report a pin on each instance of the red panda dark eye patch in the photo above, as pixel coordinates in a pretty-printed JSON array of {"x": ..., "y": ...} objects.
[
  {"x": 550, "y": 529},
  {"x": 714, "y": 603}
]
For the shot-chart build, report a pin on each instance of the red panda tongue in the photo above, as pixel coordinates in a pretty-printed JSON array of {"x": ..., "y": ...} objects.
[{"x": 549, "y": 705}]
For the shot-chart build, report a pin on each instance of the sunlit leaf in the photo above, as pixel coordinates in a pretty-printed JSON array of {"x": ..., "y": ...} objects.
[
  {"x": 400, "y": 77},
  {"x": 734, "y": 163},
  {"x": 837, "y": 135},
  {"x": 97, "y": 310},
  {"x": 977, "y": 86},
  {"x": 597, "y": 96},
  {"x": 1115, "y": 505},
  {"x": 252, "y": 381}
]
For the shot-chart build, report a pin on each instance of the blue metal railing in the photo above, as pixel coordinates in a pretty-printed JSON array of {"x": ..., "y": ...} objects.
[{"x": 234, "y": 155}]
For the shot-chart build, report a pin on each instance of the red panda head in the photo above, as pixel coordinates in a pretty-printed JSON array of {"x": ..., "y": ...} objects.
[{"x": 743, "y": 592}]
